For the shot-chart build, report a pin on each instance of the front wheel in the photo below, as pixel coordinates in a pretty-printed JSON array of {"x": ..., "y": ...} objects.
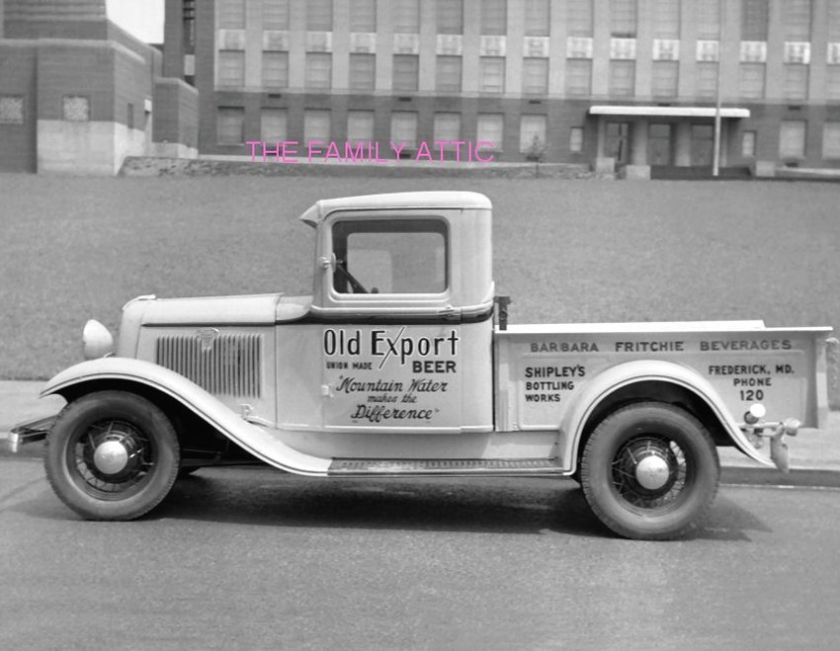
[
  {"x": 650, "y": 471},
  {"x": 112, "y": 455}
]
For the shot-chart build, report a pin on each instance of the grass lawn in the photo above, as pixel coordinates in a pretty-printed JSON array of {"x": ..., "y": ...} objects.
[{"x": 565, "y": 251}]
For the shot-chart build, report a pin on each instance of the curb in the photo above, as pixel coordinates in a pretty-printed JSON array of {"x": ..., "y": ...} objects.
[{"x": 796, "y": 478}]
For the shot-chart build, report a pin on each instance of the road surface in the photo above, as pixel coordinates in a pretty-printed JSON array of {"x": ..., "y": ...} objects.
[{"x": 252, "y": 558}]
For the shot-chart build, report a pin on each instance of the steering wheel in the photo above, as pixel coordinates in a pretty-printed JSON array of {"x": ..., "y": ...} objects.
[{"x": 355, "y": 285}]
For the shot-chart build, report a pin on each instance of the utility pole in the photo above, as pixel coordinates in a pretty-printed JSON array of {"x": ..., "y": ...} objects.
[{"x": 716, "y": 156}]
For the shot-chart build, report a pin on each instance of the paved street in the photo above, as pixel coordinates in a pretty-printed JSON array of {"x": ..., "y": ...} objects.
[{"x": 251, "y": 558}]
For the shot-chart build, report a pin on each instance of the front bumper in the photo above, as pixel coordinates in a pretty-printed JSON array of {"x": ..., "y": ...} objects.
[{"x": 30, "y": 432}]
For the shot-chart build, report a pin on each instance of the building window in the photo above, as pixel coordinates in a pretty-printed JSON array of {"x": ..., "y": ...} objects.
[
  {"x": 406, "y": 16},
  {"x": 708, "y": 19},
  {"x": 447, "y": 127},
  {"x": 450, "y": 16},
  {"x": 275, "y": 14},
  {"x": 231, "y": 68},
  {"x": 579, "y": 17},
  {"x": 11, "y": 109},
  {"x": 623, "y": 18},
  {"x": 796, "y": 81},
  {"x": 319, "y": 15},
  {"x": 491, "y": 75},
  {"x": 494, "y": 17},
  {"x": 129, "y": 115},
  {"x": 576, "y": 140},
  {"x": 833, "y": 20},
  {"x": 532, "y": 138},
  {"x": 707, "y": 79},
  {"x": 535, "y": 76},
  {"x": 751, "y": 80},
  {"x": 754, "y": 15},
  {"x": 666, "y": 19},
  {"x": 316, "y": 125},
  {"x": 359, "y": 127},
  {"x": 490, "y": 129},
  {"x": 748, "y": 144},
  {"x": 231, "y": 125},
  {"x": 792, "y": 139},
  {"x": 831, "y": 140},
  {"x": 832, "y": 82},
  {"x": 665, "y": 78},
  {"x": 448, "y": 74},
  {"x": 537, "y": 17},
  {"x": 318, "y": 73},
  {"x": 406, "y": 70},
  {"x": 363, "y": 15},
  {"x": 273, "y": 123},
  {"x": 275, "y": 69},
  {"x": 623, "y": 49},
  {"x": 232, "y": 14},
  {"x": 362, "y": 75},
  {"x": 578, "y": 77},
  {"x": 404, "y": 128},
  {"x": 796, "y": 20},
  {"x": 75, "y": 108},
  {"x": 622, "y": 80}
]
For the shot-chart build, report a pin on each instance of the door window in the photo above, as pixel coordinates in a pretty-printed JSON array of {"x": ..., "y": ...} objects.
[{"x": 388, "y": 257}]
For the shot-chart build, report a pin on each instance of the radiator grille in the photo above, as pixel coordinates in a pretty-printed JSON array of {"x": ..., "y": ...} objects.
[{"x": 226, "y": 364}]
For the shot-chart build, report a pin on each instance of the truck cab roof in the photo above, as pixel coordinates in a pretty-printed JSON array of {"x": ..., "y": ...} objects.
[{"x": 445, "y": 200}]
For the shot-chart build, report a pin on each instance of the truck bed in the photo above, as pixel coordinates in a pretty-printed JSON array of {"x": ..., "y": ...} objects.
[{"x": 541, "y": 369}]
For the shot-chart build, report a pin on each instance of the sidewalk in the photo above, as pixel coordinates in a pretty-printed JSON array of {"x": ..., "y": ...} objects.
[{"x": 812, "y": 452}]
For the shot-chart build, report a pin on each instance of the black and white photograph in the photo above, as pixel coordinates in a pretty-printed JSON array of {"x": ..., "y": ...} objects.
[{"x": 419, "y": 324}]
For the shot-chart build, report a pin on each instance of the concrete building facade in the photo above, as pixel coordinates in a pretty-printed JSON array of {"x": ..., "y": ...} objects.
[
  {"x": 632, "y": 84},
  {"x": 78, "y": 94}
]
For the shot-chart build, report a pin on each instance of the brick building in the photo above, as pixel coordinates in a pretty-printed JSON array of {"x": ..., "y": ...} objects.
[
  {"x": 632, "y": 83},
  {"x": 78, "y": 94}
]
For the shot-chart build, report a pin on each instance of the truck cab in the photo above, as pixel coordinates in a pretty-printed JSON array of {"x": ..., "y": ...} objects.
[{"x": 401, "y": 363}]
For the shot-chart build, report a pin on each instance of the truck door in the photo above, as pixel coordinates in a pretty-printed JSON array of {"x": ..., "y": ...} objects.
[{"x": 399, "y": 356}]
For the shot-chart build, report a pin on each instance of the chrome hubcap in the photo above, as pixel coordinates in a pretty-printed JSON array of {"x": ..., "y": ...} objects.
[
  {"x": 652, "y": 472},
  {"x": 110, "y": 457}
]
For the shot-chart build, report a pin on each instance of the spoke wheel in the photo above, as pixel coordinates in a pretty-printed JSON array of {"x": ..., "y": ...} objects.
[
  {"x": 650, "y": 471},
  {"x": 112, "y": 455}
]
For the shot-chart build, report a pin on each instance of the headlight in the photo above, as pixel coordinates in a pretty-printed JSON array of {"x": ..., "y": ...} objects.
[{"x": 96, "y": 340}]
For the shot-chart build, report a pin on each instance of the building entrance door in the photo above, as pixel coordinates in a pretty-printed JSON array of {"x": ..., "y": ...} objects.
[
  {"x": 659, "y": 145},
  {"x": 702, "y": 145},
  {"x": 618, "y": 142}
]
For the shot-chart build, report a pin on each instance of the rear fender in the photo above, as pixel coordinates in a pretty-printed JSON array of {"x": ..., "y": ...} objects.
[
  {"x": 262, "y": 442},
  {"x": 618, "y": 377}
]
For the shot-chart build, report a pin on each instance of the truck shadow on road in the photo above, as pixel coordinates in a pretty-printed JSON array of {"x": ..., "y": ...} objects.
[
  {"x": 442, "y": 504},
  {"x": 493, "y": 505}
]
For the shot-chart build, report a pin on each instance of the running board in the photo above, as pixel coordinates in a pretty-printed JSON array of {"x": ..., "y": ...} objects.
[{"x": 450, "y": 467}]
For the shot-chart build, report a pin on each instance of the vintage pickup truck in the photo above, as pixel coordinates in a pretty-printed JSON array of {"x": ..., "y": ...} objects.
[{"x": 401, "y": 363}]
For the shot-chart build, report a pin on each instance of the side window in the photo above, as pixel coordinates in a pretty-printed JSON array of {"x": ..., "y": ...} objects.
[{"x": 390, "y": 257}]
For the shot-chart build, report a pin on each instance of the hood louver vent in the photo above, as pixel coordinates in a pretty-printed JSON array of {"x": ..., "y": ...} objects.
[{"x": 222, "y": 364}]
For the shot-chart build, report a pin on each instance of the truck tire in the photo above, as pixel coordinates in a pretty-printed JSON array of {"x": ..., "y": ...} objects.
[
  {"x": 650, "y": 471},
  {"x": 112, "y": 455}
]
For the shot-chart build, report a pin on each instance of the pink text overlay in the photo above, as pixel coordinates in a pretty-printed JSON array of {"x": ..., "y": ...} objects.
[{"x": 292, "y": 151}]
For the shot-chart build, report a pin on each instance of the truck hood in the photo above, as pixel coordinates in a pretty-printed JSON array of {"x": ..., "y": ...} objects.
[{"x": 256, "y": 309}]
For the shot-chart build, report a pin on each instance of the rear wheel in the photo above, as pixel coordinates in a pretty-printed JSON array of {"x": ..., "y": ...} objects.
[
  {"x": 650, "y": 471},
  {"x": 112, "y": 455}
]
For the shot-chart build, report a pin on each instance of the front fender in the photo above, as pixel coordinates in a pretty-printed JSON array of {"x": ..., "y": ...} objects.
[
  {"x": 617, "y": 377},
  {"x": 264, "y": 443}
]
